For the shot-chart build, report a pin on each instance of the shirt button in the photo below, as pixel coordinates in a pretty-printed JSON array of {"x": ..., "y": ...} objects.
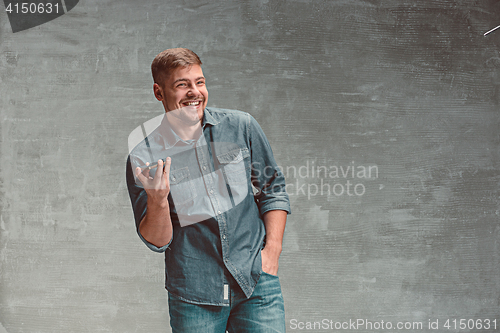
[
  {"x": 223, "y": 236},
  {"x": 218, "y": 212},
  {"x": 211, "y": 191},
  {"x": 204, "y": 168},
  {"x": 173, "y": 178}
]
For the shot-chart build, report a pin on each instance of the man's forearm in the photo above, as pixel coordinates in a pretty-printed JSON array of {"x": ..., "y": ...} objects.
[
  {"x": 274, "y": 222},
  {"x": 156, "y": 226}
]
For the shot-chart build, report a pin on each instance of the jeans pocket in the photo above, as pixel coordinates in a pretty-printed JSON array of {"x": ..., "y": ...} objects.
[{"x": 274, "y": 276}]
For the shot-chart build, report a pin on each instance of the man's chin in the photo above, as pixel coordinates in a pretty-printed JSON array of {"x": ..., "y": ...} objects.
[
  {"x": 192, "y": 113},
  {"x": 188, "y": 114}
]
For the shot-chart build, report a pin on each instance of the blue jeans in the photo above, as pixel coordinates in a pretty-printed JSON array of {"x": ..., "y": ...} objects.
[{"x": 263, "y": 312}]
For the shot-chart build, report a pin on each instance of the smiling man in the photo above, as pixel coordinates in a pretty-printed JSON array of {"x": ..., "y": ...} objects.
[{"x": 206, "y": 190}]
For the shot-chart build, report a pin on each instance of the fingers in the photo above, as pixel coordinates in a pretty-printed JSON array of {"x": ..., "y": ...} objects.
[
  {"x": 139, "y": 175},
  {"x": 162, "y": 171},
  {"x": 142, "y": 174},
  {"x": 146, "y": 171},
  {"x": 166, "y": 170},
  {"x": 159, "y": 170}
]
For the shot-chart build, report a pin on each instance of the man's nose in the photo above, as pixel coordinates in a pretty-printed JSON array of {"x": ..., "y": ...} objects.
[{"x": 193, "y": 91}]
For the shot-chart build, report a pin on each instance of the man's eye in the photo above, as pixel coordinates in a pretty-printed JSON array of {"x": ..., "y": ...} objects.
[
  {"x": 181, "y": 85},
  {"x": 201, "y": 82}
]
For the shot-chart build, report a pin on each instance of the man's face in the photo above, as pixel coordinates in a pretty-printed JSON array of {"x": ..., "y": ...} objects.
[{"x": 185, "y": 93}]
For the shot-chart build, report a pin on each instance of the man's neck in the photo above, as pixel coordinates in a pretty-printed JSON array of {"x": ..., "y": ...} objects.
[{"x": 183, "y": 130}]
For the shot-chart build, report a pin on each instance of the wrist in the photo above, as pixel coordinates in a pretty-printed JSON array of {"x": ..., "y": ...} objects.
[
  {"x": 161, "y": 204},
  {"x": 273, "y": 246}
]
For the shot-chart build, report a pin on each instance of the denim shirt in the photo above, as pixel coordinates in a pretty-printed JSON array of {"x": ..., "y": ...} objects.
[{"x": 220, "y": 186}]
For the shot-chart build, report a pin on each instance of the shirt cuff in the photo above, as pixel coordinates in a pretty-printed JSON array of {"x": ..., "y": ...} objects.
[
  {"x": 153, "y": 247},
  {"x": 276, "y": 204}
]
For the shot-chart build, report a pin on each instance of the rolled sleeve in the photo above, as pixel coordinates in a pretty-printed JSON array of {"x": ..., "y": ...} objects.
[
  {"x": 153, "y": 247},
  {"x": 275, "y": 205},
  {"x": 267, "y": 177}
]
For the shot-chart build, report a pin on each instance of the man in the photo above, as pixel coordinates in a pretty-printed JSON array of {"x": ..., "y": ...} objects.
[{"x": 206, "y": 190}]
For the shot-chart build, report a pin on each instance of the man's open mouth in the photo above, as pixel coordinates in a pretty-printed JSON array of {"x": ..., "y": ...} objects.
[{"x": 192, "y": 103}]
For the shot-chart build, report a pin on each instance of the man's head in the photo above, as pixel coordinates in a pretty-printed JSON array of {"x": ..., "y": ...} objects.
[
  {"x": 169, "y": 60},
  {"x": 180, "y": 84}
]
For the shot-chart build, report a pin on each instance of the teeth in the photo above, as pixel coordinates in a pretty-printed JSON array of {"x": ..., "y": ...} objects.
[{"x": 193, "y": 103}]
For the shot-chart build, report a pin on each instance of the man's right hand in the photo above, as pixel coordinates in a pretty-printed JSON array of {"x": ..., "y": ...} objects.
[
  {"x": 156, "y": 226},
  {"x": 157, "y": 188}
]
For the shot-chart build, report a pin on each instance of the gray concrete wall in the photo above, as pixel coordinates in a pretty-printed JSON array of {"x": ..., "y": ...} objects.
[{"x": 408, "y": 88}]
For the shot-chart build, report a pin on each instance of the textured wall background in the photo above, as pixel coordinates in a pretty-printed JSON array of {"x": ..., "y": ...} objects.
[{"x": 408, "y": 88}]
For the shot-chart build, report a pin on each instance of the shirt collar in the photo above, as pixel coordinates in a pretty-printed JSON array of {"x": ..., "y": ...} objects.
[{"x": 208, "y": 118}]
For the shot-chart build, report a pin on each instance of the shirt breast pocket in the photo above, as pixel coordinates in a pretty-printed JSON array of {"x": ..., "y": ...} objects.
[
  {"x": 233, "y": 165},
  {"x": 181, "y": 187}
]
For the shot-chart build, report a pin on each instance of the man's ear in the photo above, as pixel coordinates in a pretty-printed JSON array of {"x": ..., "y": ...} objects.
[{"x": 158, "y": 92}]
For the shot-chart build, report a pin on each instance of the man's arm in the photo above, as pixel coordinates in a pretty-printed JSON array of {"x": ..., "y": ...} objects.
[
  {"x": 271, "y": 197},
  {"x": 274, "y": 222},
  {"x": 156, "y": 226}
]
